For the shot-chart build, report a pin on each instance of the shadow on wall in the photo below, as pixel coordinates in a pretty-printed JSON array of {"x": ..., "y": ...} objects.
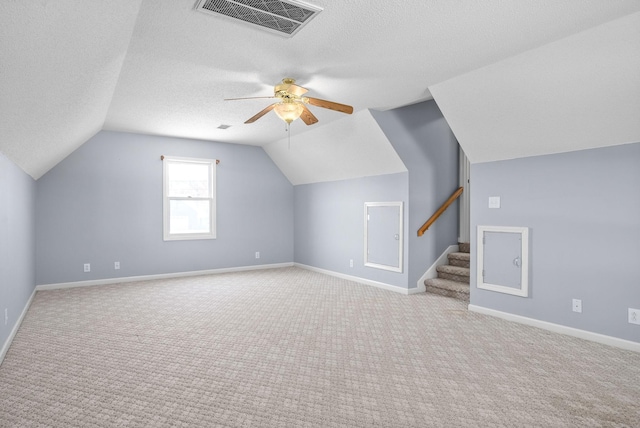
[{"x": 424, "y": 141}]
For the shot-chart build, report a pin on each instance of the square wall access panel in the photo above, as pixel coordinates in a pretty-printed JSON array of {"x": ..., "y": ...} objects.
[{"x": 503, "y": 259}]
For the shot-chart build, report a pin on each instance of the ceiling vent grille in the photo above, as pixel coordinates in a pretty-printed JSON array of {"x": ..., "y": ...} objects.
[{"x": 285, "y": 18}]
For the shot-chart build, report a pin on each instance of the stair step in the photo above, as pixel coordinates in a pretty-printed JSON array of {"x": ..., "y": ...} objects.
[
  {"x": 445, "y": 287},
  {"x": 459, "y": 259},
  {"x": 464, "y": 247},
  {"x": 454, "y": 273}
]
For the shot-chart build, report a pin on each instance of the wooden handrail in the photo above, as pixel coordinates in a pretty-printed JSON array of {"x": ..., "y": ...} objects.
[{"x": 438, "y": 213}]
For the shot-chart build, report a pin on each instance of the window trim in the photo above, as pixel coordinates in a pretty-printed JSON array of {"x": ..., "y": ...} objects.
[{"x": 167, "y": 236}]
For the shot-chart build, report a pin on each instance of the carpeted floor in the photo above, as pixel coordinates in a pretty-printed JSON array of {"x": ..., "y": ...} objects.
[{"x": 293, "y": 348}]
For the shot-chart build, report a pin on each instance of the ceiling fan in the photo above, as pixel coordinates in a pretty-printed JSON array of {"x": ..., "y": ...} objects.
[{"x": 292, "y": 104}]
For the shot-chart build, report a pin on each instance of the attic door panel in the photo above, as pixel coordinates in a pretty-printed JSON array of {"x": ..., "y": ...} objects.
[
  {"x": 503, "y": 259},
  {"x": 383, "y": 230}
]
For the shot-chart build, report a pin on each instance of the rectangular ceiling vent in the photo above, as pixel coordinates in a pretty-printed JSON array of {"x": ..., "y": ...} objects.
[{"x": 285, "y": 18}]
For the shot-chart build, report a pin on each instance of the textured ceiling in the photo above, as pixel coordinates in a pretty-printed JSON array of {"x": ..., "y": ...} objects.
[
  {"x": 72, "y": 67},
  {"x": 581, "y": 92},
  {"x": 350, "y": 147},
  {"x": 59, "y": 65}
]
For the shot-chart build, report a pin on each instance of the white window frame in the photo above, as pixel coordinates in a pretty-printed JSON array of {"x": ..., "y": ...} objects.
[{"x": 166, "y": 199}]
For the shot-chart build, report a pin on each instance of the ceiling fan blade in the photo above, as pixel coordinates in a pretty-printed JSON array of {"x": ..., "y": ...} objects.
[
  {"x": 262, "y": 113},
  {"x": 297, "y": 90},
  {"x": 308, "y": 117},
  {"x": 246, "y": 98},
  {"x": 342, "y": 108}
]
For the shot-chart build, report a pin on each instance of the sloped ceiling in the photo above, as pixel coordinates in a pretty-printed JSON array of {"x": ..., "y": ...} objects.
[
  {"x": 59, "y": 66},
  {"x": 71, "y": 67},
  {"x": 357, "y": 148},
  {"x": 580, "y": 92}
]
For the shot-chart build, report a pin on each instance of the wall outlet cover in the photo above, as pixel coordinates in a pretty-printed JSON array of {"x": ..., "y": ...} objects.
[
  {"x": 634, "y": 316},
  {"x": 577, "y": 305}
]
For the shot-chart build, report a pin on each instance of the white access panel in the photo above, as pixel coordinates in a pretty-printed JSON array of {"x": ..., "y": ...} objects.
[{"x": 503, "y": 259}]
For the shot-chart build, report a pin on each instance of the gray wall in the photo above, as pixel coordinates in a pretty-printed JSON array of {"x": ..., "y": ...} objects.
[
  {"x": 103, "y": 203},
  {"x": 583, "y": 211},
  {"x": 329, "y": 224},
  {"x": 17, "y": 243},
  {"x": 425, "y": 143}
]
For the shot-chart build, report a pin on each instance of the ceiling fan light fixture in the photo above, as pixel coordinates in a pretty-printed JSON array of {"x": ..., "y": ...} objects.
[
  {"x": 292, "y": 104},
  {"x": 289, "y": 111}
]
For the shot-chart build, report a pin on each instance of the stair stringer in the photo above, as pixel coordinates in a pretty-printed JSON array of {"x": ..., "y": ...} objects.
[{"x": 432, "y": 272}]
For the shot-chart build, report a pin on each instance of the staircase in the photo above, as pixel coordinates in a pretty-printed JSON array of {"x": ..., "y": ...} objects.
[{"x": 453, "y": 278}]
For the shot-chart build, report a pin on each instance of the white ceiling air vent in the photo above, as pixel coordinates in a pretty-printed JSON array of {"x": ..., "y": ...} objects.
[{"x": 285, "y": 18}]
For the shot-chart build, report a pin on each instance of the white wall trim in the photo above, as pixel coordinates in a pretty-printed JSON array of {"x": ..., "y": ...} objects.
[
  {"x": 399, "y": 235},
  {"x": 432, "y": 272},
  {"x": 158, "y": 276},
  {"x": 523, "y": 291},
  {"x": 562, "y": 329},
  {"x": 357, "y": 279},
  {"x": 464, "y": 169},
  {"x": 16, "y": 327}
]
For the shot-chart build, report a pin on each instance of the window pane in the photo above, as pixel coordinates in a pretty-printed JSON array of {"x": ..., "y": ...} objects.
[
  {"x": 188, "y": 179},
  {"x": 189, "y": 217}
]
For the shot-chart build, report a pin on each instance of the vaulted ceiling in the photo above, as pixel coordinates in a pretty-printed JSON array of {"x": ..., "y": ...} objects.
[{"x": 513, "y": 78}]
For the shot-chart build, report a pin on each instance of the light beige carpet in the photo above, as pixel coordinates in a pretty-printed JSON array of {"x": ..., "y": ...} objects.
[{"x": 293, "y": 348}]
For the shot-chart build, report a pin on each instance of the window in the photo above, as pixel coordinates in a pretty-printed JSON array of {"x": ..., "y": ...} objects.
[{"x": 189, "y": 203}]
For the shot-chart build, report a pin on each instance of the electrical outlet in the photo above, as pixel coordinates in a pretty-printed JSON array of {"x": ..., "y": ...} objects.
[
  {"x": 6, "y": 316},
  {"x": 116, "y": 265},
  {"x": 577, "y": 305},
  {"x": 87, "y": 267},
  {"x": 257, "y": 254},
  {"x": 634, "y": 316},
  {"x": 351, "y": 263}
]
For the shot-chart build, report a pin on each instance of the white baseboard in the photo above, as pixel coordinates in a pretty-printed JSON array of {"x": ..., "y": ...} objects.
[
  {"x": 557, "y": 328},
  {"x": 357, "y": 279},
  {"x": 432, "y": 272},
  {"x": 158, "y": 276},
  {"x": 16, "y": 327}
]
